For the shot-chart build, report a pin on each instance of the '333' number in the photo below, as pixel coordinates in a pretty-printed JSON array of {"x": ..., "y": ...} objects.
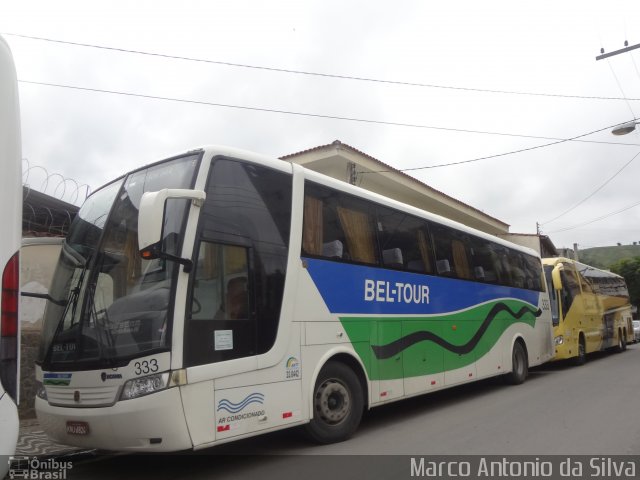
[{"x": 146, "y": 366}]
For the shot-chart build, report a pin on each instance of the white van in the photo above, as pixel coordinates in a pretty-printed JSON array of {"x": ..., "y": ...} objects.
[{"x": 11, "y": 214}]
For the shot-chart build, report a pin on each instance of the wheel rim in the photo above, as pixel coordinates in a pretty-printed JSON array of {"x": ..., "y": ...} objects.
[{"x": 332, "y": 401}]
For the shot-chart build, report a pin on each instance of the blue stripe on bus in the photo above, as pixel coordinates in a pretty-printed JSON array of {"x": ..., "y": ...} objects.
[{"x": 356, "y": 289}]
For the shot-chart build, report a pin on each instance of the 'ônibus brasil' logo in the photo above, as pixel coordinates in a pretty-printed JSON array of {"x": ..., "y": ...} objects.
[{"x": 231, "y": 407}]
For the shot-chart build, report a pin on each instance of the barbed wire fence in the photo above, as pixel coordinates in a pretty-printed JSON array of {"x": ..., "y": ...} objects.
[{"x": 42, "y": 216}]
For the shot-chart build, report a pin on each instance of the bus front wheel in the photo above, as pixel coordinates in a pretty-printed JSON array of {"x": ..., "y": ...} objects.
[
  {"x": 338, "y": 403},
  {"x": 519, "y": 365}
]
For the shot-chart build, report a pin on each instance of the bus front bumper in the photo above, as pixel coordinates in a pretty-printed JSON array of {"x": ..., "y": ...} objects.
[{"x": 153, "y": 423}]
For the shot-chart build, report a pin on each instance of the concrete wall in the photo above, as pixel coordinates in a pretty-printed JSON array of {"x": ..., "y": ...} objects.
[{"x": 530, "y": 241}]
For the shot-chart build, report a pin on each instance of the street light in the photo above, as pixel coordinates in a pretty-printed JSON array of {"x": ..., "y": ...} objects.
[{"x": 625, "y": 128}]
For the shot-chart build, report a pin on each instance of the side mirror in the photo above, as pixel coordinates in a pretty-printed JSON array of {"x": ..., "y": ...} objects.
[
  {"x": 151, "y": 216},
  {"x": 556, "y": 278}
]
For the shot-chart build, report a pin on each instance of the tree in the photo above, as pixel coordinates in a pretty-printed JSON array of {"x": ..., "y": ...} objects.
[{"x": 630, "y": 270}]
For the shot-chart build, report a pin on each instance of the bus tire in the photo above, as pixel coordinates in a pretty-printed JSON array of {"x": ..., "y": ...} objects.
[
  {"x": 581, "y": 358},
  {"x": 338, "y": 403},
  {"x": 519, "y": 365}
]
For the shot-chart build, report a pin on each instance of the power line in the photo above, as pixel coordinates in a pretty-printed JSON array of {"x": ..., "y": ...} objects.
[
  {"x": 317, "y": 74},
  {"x": 596, "y": 219},
  {"x": 572, "y": 139},
  {"x": 331, "y": 117},
  {"x": 303, "y": 114},
  {"x": 360, "y": 120},
  {"x": 592, "y": 193}
]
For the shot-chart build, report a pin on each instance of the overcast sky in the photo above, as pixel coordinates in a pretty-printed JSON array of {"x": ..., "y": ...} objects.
[{"x": 474, "y": 66}]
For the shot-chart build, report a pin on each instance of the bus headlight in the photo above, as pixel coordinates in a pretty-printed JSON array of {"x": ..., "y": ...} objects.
[
  {"x": 138, "y": 387},
  {"x": 559, "y": 340},
  {"x": 41, "y": 392}
]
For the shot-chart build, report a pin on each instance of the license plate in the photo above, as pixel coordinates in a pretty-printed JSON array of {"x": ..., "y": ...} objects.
[{"x": 77, "y": 428}]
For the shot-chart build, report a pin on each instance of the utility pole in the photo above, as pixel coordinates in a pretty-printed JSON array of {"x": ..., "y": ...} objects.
[
  {"x": 575, "y": 252},
  {"x": 626, "y": 48}
]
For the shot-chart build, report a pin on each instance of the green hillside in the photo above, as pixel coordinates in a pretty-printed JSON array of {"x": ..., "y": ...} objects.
[{"x": 604, "y": 257}]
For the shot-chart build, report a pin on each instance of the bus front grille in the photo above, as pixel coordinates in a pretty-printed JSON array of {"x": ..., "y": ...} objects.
[{"x": 82, "y": 397}]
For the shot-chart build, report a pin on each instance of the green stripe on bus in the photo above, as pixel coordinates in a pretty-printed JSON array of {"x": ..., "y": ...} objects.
[{"x": 398, "y": 347}]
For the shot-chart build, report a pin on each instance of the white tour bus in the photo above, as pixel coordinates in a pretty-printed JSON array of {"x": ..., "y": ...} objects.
[
  {"x": 220, "y": 294},
  {"x": 11, "y": 202}
]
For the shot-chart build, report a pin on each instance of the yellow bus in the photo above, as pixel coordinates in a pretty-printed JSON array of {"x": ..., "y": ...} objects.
[{"x": 590, "y": 309}]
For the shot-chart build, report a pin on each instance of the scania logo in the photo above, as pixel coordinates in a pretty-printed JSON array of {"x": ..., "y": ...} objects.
[{"x": 110, "y": 376}]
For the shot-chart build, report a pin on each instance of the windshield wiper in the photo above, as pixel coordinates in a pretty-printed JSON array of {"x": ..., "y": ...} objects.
[
  {"x": 74, "y": 295},
  {"x": 46, "y": 296}
]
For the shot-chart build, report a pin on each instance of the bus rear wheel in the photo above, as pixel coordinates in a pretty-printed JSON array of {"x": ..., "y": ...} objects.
[
  {"x": 519, "y": 365},
  {"x": 338, "y": 403}
]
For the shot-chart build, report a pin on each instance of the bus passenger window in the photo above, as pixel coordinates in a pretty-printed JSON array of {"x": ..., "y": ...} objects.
[
  {"x": 403, "y": 240},
  {"x": 460, "y": 259},
  {"x": 312, "y": 231},
  {"x": 516, "y": 270},
  {"x": 337, "y": 226},
  {"x": 452, "y": 257},
  {"x": 358, "y": 232}
]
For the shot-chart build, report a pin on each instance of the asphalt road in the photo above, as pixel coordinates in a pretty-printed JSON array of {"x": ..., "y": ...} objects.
[{"x": 560, "y": 410}]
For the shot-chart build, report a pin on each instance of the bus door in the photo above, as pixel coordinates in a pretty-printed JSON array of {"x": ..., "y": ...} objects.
[
  {"x": 219, "y": 330},
  {"x": 234, "y": 304},
  {"x": 227, "y": 394}
]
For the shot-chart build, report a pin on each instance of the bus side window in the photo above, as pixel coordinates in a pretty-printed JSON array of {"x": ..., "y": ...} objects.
[
  {"x": 312, "y": 231},
  {"x": 535, "y": 276},
  {"x": 460, "y": 259},
  {"x": 517, "y": 270},
  {"x": 357, "y": 225},
  {"x": 404, "y": 241},
  {"x": 444, "y": 255},
  {"x": 338, "y": 226},
  {"x": 481, "y": 261},
  {"x": 322, "y": 233},
  {"x": 452, "y": 257}
]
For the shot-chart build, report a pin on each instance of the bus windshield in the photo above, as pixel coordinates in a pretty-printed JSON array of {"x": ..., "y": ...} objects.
[{"x": 107, "y": 303}]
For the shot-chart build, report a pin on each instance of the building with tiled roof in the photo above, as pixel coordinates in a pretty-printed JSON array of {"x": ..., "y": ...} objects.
[{"x": 343, "y": 162}]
